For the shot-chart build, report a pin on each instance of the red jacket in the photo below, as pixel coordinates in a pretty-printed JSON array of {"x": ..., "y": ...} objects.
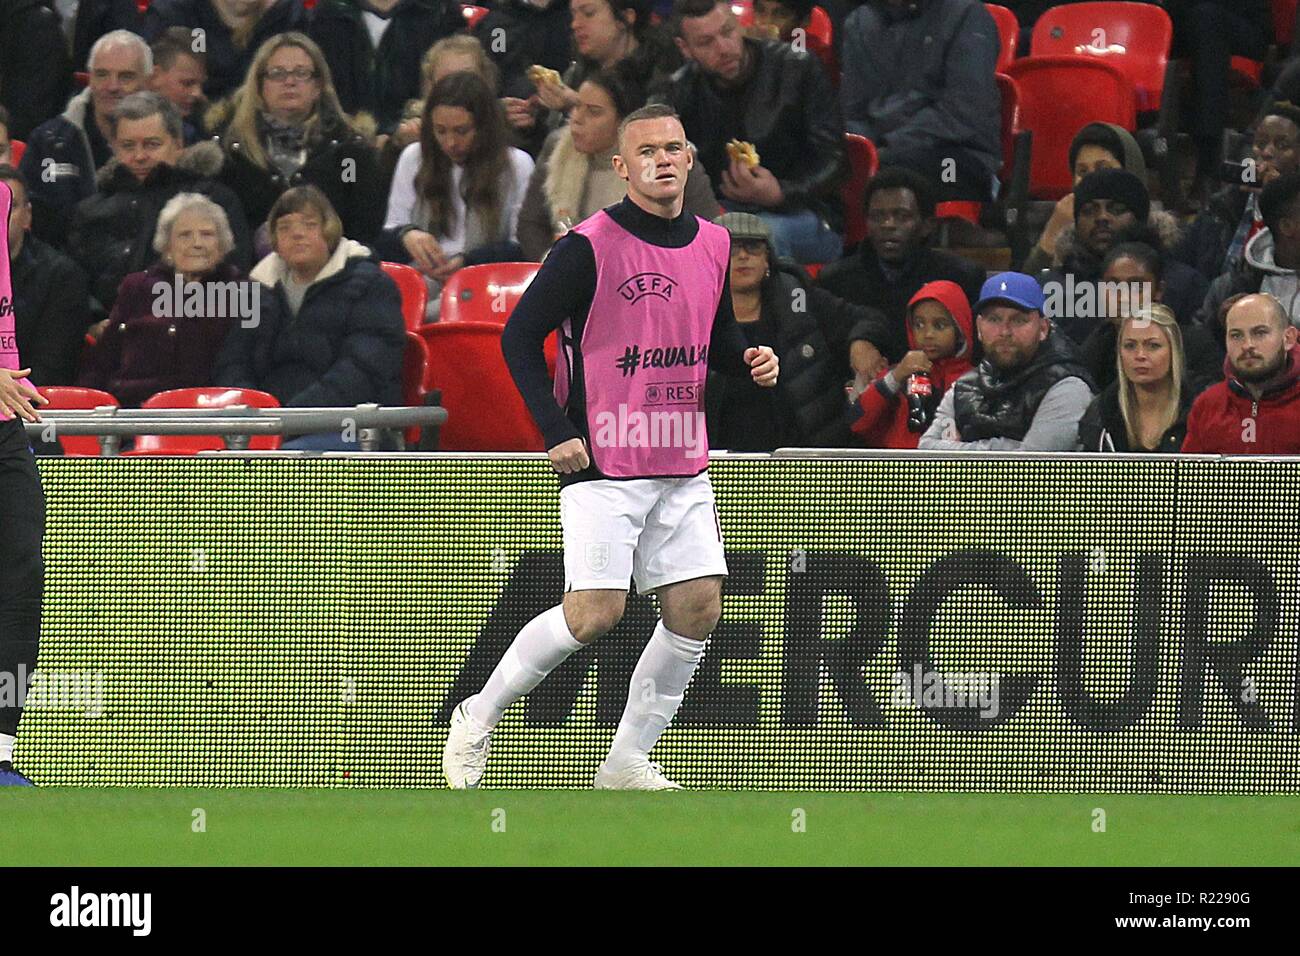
[
  {"x": 879, "y": 417},
  {"x": 1226, "y": 419}
]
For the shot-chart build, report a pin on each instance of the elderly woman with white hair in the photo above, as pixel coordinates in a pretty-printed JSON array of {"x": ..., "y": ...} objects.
[{"x": 170, "y": 321}]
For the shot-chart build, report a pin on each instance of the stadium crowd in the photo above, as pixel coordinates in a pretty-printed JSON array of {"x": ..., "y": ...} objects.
[{"x": 307, "y": 145}]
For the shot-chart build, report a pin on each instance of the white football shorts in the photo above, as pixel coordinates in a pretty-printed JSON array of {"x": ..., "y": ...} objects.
[{"x": 654, "y": 531}]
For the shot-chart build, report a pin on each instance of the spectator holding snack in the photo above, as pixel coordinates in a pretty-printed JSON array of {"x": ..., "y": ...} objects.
[{"x": 766, "y": 125}]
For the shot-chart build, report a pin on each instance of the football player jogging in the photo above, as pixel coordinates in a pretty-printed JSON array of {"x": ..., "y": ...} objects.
[
  {"x": 641, "y": 296},
  {"x": 22, "y": 519}
]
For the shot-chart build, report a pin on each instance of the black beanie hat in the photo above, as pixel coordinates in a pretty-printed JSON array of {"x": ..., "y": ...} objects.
[{"x": 1114, "y": 184}]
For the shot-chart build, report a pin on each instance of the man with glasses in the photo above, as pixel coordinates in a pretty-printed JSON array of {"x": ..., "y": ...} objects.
[{"x": 1030, "y": 390}]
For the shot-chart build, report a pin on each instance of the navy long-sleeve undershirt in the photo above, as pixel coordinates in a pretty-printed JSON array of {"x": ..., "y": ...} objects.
[{"x": 563, "y": 289}]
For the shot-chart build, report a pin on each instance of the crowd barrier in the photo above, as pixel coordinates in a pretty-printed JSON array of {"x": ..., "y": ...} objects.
[{"x": 891, "y": 622}]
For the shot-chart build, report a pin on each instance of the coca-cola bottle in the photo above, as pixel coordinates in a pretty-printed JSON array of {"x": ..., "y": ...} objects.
[{"x": 919, "y": 389}]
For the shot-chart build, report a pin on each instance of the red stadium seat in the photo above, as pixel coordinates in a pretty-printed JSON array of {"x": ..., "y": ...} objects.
[
  {"x": 203, "y": 398},
  {"x": 1245, "y": 71},
  {"x": 485, "y": 293},
  {"x": 70, "y": 398},
  {"x": 415, "y": 370},
  {"x": 863, "y": 163},
  {"x": 1136, "y": 37},
  {"x": 484, "y": 409},
  {"x": 81, "y": 78},
  {"x": 473, "y": 14},
  {"x": 1008, "y": 34},
  {"x": 415, "y": 294},
  {"x": 959, "y": 209},
  {"x": 821, "y": 35},
  {"x": 16, "y": 149},
  {"x": 1058, "y": 96},
  {"x": 820, "y": 27}
]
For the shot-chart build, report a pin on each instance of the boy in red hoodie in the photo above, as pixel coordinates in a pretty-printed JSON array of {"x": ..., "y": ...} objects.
[{"x": 939, "y": 334}]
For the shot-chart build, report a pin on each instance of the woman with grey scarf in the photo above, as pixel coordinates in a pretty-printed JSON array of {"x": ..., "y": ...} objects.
[{"x": 284, "y": 128}]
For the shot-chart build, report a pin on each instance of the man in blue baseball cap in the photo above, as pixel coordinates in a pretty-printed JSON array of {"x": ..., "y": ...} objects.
[{"x": 1031, "y": 389}]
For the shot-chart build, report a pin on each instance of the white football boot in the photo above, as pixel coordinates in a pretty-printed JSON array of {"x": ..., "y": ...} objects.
[
  {"x": 465, "y": 757},
  {"x": 642, "y": 775}
]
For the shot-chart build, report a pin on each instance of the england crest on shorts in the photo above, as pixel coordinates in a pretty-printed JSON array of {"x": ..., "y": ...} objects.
[{"x": 598, "y": 555}]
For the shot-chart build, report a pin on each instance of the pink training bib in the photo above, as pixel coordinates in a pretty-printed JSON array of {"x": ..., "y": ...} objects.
[
  {"x": 8, "y": 338},
  {"x": 645, "y": 349}
]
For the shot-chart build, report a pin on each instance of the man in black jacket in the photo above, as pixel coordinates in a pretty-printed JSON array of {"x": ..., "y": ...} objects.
[
  {"x": 112, "y": 231},
  {"x": 34, "y": 67},
  {"x": 379, "y": 76},
  {"x": 892, "y": 265},
  {"x": 64, "y": 152},
  {"x": 918, "y": 82},
  {"x": 51, "y": 302},
  {"x": 777, "y": 98}
]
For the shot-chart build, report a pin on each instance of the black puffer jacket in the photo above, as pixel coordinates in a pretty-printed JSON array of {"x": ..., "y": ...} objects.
[
  {"x": 343, "y": 348},
  {"x": 51, "y": 312},
  {"x": 359, "y": 199},
  {"x": 380, "y": 81},
  {"x": 59, "y": 168},
  {"x": 811, "y": 329},
  {"x": 988, "y": 404},
  {"x": 1102, "y": 426},
  {"x": 112, "y": 231},
  {"x": 790, "y": 113},
  {"x": 227, "y": 63}
]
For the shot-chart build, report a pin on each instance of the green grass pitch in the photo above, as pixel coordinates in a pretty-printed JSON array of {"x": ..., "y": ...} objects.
[{"x": 137, "y": 827}]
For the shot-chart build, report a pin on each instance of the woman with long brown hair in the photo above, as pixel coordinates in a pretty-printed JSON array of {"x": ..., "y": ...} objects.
[
  {"x": 456, "y": 193},
  {"x": 284, "y": 127}
]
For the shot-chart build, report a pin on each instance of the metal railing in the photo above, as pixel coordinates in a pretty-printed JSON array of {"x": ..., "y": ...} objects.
[{"x": 237, "y": 424}]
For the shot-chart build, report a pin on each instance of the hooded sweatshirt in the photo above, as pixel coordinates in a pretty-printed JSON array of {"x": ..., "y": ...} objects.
[
  {"x": 1257, "y": 272},
  {"x": 879, "y": 416},
  {"x": 1282, "y": 284},
  {"x": 1227, "y": 418}
]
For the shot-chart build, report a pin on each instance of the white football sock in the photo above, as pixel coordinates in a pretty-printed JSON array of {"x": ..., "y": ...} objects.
[
  {"x": 658, "y": 686},
  {"x": 7, "y": 747},
  {"x": 543, "y": 645}
]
